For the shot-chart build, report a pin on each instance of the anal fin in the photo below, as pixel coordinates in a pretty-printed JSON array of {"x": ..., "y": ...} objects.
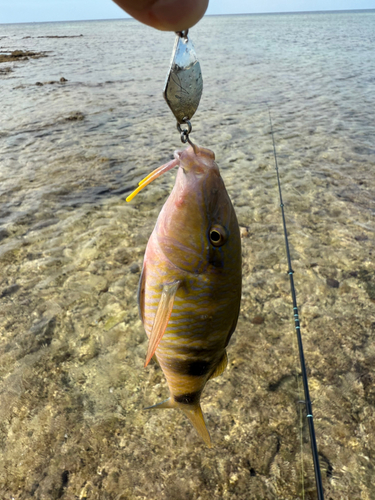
[
  {"x": 162, "y": 316},
  {"x": 167, "y": 403},
  {"x": 221, "y": 366}
]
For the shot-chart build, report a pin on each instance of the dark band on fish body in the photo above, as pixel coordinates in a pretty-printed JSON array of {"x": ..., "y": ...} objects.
[
  {"x": 196, "y": 351},
  {"x": 188, "y": 399},
  {"x": 191, "y": 367}
]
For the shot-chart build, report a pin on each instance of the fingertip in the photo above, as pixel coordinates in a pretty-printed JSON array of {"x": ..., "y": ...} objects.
[
  {"x": 174, "y": 15},
  {"x": 165, "y": 15}
]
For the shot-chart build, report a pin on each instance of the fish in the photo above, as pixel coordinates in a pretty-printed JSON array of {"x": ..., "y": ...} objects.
[{"x": 190, "y": 286}]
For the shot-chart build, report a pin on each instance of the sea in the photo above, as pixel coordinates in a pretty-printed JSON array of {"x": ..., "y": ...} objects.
[{"x": 82, "y": 121}]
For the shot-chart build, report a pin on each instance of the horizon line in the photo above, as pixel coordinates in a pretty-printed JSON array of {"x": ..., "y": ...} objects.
[{"x": 129, "y": 18}]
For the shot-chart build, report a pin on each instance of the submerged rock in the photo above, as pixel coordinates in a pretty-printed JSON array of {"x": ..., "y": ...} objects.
[
  {"x": 21, "y": 55},
  {"x": 332, "y": 283},
  {"x": 9, "y": 290},
  {"x": 257, "y": 320},
  {"x": 73, "y": 117},
  {"x": 4, "y": 71},
  {"x": 3, "y": 234},
  {"x": 134, "y": 268},
  {"x": 244, "y": 231}
]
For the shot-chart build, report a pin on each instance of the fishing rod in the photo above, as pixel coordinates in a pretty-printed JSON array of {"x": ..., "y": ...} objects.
[{"x": 309, "y": 413}]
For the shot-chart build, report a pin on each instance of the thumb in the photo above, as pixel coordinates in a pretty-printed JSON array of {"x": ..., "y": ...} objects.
[{"x": 166, "y": 15}]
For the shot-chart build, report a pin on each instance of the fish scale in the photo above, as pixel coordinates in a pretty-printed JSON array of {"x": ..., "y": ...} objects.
[{"x": 190, "y": 288}]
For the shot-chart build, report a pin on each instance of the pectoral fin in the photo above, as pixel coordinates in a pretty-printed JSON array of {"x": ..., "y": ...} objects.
[
  {"x": 162, "y": 316},
  {"x": 221, "y": 366}
]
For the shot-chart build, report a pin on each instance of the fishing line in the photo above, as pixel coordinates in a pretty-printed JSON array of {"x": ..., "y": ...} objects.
[{"x": 307, "y": 402}]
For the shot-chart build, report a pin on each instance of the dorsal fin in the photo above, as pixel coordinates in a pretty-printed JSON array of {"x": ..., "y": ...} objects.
[{"x": 162, "y": 316}]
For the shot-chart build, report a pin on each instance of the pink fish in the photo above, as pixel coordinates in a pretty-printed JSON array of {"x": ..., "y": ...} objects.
[{"x": 190, "y": 288}]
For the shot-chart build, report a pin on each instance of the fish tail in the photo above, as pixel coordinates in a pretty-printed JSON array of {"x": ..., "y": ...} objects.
[{"x": 195, "y": 415}]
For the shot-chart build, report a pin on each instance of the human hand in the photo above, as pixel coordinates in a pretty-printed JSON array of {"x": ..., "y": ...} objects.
[{"x": 165, "y": 15}]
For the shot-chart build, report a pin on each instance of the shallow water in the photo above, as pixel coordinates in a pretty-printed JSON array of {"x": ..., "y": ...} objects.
[{"x": 72, "y": 347}]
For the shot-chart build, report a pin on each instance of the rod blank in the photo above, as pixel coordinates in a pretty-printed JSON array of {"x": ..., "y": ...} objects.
[{"x": 309, "y": 412}]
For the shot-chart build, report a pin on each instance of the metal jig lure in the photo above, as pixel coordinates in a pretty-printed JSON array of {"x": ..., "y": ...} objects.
[{"x": 184, "y": 84}]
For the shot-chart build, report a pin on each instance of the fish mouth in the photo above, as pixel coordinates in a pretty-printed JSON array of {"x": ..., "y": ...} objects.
[
  {"x": 178, "y": 157},
  {"x": 177, "y": 154}
]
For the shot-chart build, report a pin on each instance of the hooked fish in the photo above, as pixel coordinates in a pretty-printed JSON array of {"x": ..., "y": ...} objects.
[{"x": 190, "y": 287}]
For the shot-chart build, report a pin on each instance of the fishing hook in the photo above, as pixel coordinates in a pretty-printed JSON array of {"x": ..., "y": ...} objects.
[{"x": 185, "y": 132}]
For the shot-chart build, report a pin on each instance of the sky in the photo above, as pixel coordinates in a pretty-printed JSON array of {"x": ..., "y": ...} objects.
[{"x": 27, "y": 11}]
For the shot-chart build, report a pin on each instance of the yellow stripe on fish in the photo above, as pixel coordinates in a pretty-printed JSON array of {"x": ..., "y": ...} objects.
[{"x": 190, "y": 288}]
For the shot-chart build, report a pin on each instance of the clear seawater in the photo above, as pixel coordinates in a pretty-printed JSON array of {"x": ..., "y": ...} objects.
[{"x": 72, "y": 348}]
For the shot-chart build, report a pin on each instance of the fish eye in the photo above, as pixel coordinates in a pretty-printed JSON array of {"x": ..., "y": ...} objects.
[{"x": 218, "y": 236}]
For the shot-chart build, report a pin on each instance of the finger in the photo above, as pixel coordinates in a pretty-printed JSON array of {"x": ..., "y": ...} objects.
[{"x": 166, "y": 15}]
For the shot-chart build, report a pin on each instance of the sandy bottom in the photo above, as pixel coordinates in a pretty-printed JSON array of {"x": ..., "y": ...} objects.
[{"x": 73, "y": 348}]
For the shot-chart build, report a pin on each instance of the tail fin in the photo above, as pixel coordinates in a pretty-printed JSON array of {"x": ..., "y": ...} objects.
[
  {"x": 193, "y": 413},
  {"x": 195, "y": 416}
]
